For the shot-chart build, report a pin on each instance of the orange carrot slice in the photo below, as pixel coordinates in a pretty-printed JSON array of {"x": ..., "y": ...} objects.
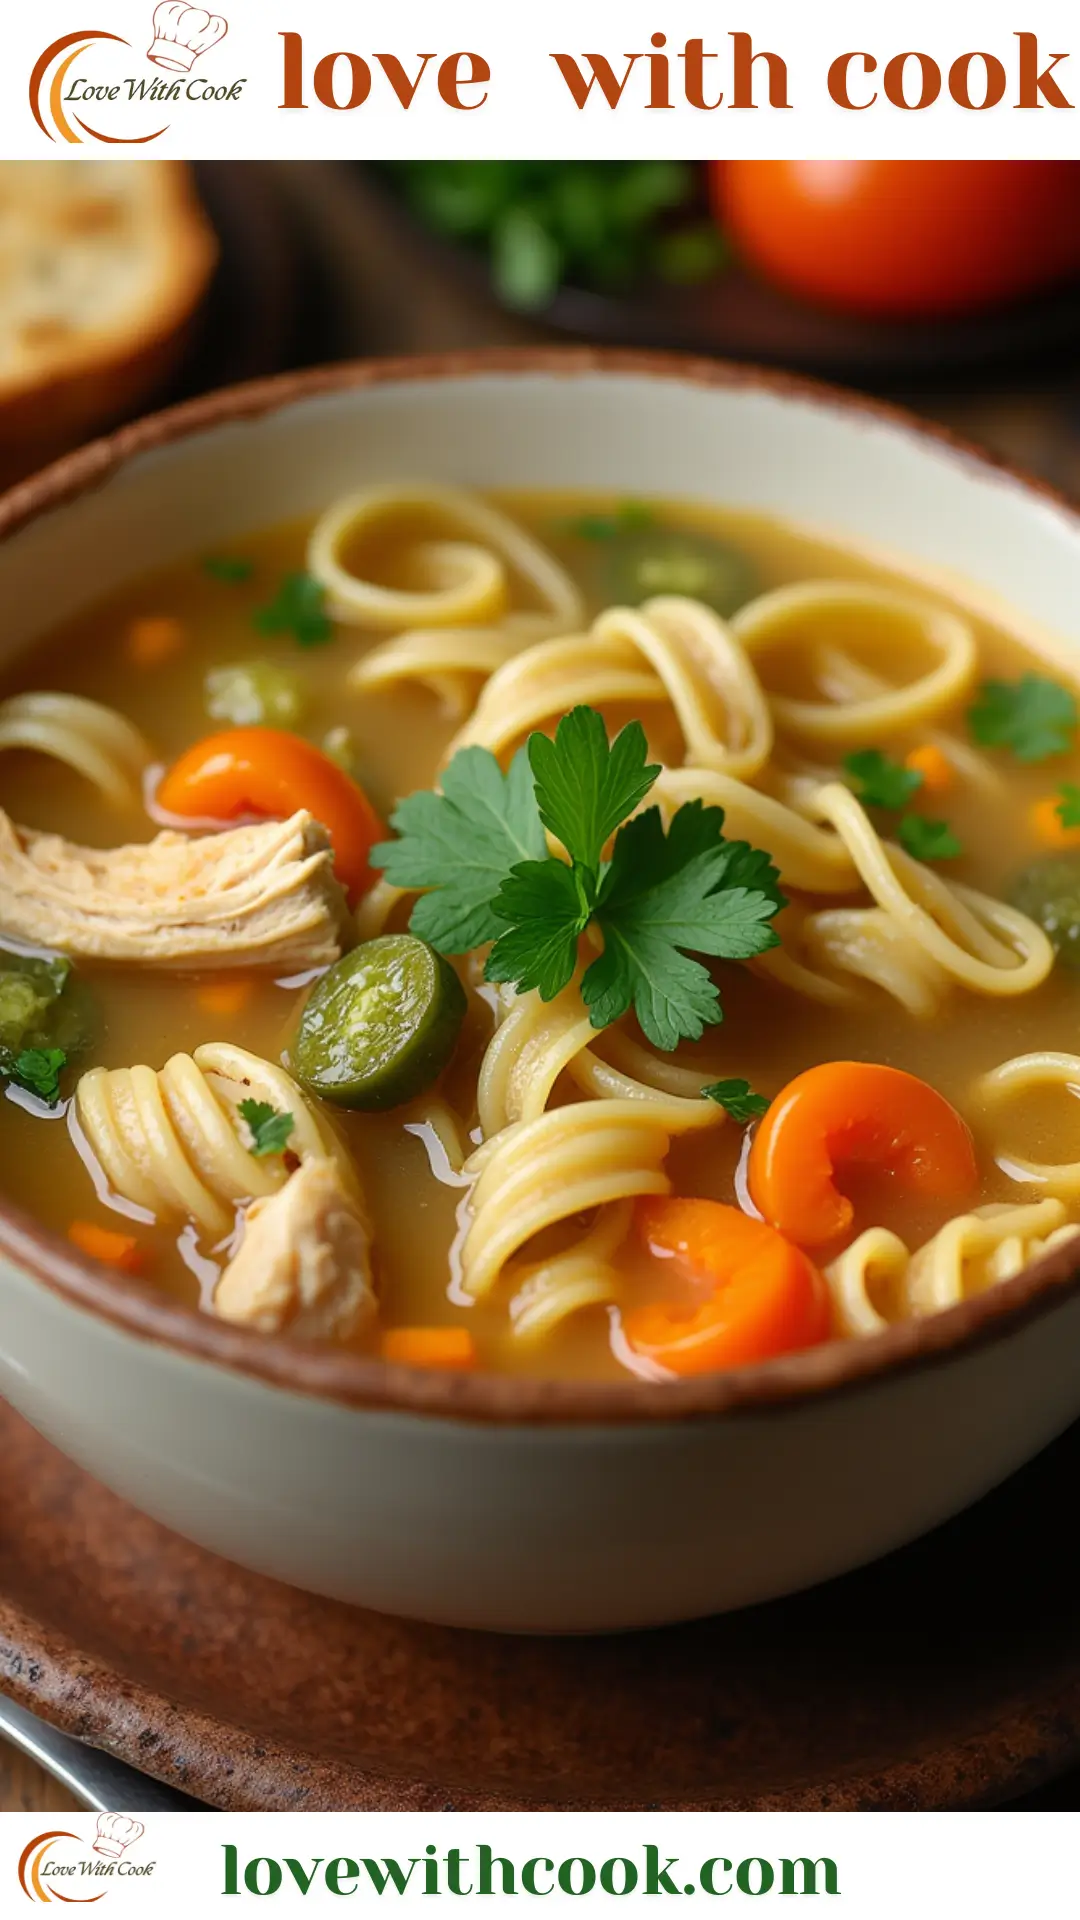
[
  {"x": 261, "y": 770},
  {"x": 850, "y": 1113},
  {"x": 765, "y": 1296}
]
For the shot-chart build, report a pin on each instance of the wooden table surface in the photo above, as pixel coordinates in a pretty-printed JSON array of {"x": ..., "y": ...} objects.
[{"x": 386, "y": 298}]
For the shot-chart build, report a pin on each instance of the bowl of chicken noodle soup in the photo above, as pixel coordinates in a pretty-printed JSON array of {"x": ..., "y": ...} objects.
[{"x": 539, "y": 927}]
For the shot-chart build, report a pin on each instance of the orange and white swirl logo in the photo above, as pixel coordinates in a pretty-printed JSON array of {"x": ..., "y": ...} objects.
[
  {"x": 50, "y": 1870},
  {"x": 65, "y": 77}
]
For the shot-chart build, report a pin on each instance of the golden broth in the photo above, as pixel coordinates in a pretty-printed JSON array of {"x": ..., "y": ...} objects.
[{"x": 768, "y": 1035}]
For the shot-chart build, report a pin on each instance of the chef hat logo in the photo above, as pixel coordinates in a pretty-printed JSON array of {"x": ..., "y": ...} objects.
[
  {"x": 115, "y": 1833},
  {"x": 182, "y": 33}
]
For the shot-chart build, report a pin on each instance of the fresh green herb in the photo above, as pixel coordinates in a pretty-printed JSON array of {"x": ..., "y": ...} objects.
[
  {"x": 479, "y": 845},
  {"x": 1035, "y": 717},
  {"x": 526, "y": 260},
  {"x": 542, "y": 224},
  {"x": 630, "y": 516},
  {"x": 36, "y": 1069},
  {"x": 737, "y": 1100},
  {"x": 269, "y": 1129},
  {"x": 232, "y": 572},
  {"x": 927, "y": 839},
  {"x": 1068, "y": 807},
  {"x": 688, "y": 255},
  {"x": 299, "y": 608},
  {"x": 462, "y": 843},
  {"x": 880, "y": 782}
]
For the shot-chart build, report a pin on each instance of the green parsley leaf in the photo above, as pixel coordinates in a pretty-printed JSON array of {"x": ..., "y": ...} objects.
[
  {"x": 463, "y": 842},
  {"x": 1068, "y": 807},
  {"x": 269, "y": 1129},
  {"x": 299, "y": 608},
  {"x": 631, "y": 516},
  {"x": 480, "y": 847},
  {"x": 737, "y": 1099},
  {"x": 585, "y": 785},
  {"x": 549, "y": 905},
  {"x": 662, "y": 898},
  {"x": 880, "y": 782},
  {"x": 927, "y": 839},
  {"x": 36, "y": 1069},
  {"x": 231, "y": 572},
  {"x": 1034, "y": 716}
]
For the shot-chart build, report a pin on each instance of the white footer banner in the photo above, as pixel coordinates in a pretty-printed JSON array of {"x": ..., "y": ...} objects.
[{"x": 919, "y": 1866}]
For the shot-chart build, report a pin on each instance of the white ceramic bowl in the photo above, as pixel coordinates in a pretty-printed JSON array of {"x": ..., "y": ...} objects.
[{"x": 476, "y": 1500}]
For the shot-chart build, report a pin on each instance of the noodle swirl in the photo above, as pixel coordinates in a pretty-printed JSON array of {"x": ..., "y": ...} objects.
[
  {"x": 467, "y": 573},
  {"x": 169, "y": 1142},
  {"x": 94, "y": 740},
  {"x": 975, "y": 1251},
  {"x": 817, "y": 612}
]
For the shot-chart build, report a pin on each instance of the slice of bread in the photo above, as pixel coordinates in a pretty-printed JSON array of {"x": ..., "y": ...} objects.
[{"x": 103, "y": 265}]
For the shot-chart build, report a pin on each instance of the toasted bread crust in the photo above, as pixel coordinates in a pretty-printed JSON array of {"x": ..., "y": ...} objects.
[{"x": 129, "y": 253}]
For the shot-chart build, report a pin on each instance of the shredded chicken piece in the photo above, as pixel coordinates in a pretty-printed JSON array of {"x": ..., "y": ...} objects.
[
  {"x": 304, "y": 1263},
  {"x": 254, "y": 896}
]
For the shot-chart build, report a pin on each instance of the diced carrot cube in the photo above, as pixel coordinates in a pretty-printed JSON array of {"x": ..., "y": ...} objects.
[
  {"x": 450, "y": 1347},
  {"x": 113, "y": 1249}
]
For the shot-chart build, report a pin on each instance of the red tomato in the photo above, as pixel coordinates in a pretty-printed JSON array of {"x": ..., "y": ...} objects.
[{"x": 904, "y": 239}]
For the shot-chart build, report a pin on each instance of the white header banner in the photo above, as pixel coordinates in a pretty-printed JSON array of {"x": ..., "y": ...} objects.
[
  {"x": 325, "y": 79},
  {"x": 864, "y": 1866}
]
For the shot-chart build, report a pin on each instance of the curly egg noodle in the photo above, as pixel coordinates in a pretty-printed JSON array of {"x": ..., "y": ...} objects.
[{"x": 551, "y": 1131}]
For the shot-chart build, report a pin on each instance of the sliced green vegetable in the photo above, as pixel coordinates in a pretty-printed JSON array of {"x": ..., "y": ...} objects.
[
  {"x": 43, "y": 1004},
  {"x": 380, "y": 1026},
  {"x": 1049, "y": 893},
  {"x": 255, "y": 693},
  {"x": 674, "y": 560}
]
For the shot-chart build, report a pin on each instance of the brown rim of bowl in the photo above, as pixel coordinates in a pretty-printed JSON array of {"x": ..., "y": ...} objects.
[{"x": 354, "y": 1379}]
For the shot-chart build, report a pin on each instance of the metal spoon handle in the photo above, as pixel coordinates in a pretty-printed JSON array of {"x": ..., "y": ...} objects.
[{"x": 102, "y": 1784}]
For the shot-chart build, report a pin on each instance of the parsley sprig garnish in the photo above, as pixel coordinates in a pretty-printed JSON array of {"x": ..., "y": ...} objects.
[
  {"x": 299, "y": 608},
  {"x": 927, "y": 839},
  {"x": 36, "y": 1069},
  {"x": 880, "y": 782},
  {"x": 1033, "y": 716},
  {"x": 1068, "y": 806},
  {"x": 268, "y": 1128},
  {"x": 661, "y": 898},
  {"x": 738, "y": 1100}
]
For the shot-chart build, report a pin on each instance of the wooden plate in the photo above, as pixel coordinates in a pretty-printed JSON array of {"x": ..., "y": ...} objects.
[{"x": 947, "y": 1676}]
